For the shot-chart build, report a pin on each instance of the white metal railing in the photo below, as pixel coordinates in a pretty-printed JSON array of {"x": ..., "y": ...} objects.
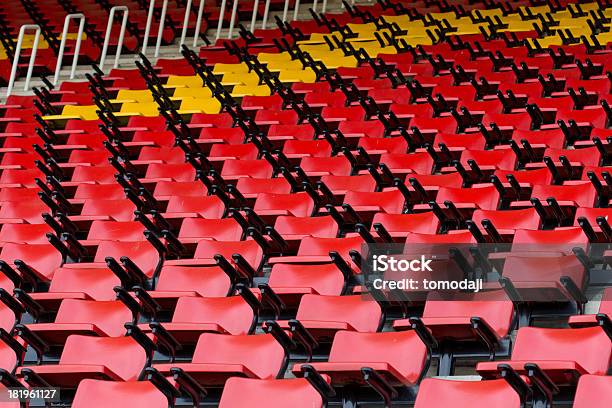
[
  {"x": 77, "y": 47},
  {"x": 285, "y": 10},
  {"x": 196, "y": 35},
  {"x": 109, "y": 29},
  {"x": 160, "y": 30},
  {"x": 22, "y": 31},
  {"x": 221, "y": 17},
  {"x": 265, "y": 16},
  {"x": 254, "y": 17}
]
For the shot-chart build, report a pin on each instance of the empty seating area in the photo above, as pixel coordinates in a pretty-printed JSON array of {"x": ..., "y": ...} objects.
[{"x": 192, "y": 231}]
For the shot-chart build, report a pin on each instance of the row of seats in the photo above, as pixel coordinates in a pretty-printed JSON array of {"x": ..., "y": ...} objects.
[{"x": 169, "y": 234}]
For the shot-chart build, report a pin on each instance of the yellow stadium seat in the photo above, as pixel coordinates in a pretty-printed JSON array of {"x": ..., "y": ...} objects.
[
  {"x": 252, "y": 90},
  {"x": 140, "y": 109},
  {"x": 192, "y": 93},
  {"x": 221, "y": 69},
  {"x": 86, "y": 112},
  {"x": 135, "y": 95},
  {"x": 203, "y": 105},
  {"x": 250, "y": 78},
  {"x": 184, "y": 81}
]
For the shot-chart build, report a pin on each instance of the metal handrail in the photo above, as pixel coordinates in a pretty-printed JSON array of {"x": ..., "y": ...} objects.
[
  {"x": 221, "y": 16},
  {"x": 160, "y": 31},
  {"x": 265, "y": 16},
  {"x": 22, "y": 31},
  {"x": 198, "y": 27},
  {"x": 185, "y": 23},
  {"x": 77, "y": 48},
  {"x": 230, "y": 31},
  {"x": 109, "y": 28}
]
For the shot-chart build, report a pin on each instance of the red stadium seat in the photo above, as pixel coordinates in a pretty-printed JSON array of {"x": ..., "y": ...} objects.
[
  {"x": 108, "y": 358},
  {"x": 563, "y": 354},
  {"x": 240, "y": 392},
  {"x": 218, "y": 357},
  {"x": 439, "y": 393}
]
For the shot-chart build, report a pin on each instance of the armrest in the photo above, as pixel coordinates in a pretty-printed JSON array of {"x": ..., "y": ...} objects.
[
  {"x": 12, "y": 343},
  {"x": 249, "y": 297},
  {"x": 11, "y": 274},
  {"x": 574, "y": 291},
  {"x": 318, "y": 382},
  {"x": 148, "y": 304},
  {"x": 273, "y": 328},
  {"x": 32, "y": 306},
  {"x": 33, "y": 379},
  {"x": 303, "y": 337},
  {"x": 140, "y": 337},
  {"x": 276, "y": 237},
  {"x": 363, "y": 231},
  {"x": 135, "y": 273},
  {"x": 382, "y": 232},
  {"x": 32, "y": 339},
  {"x": 515, "y": 381},
  {"x": 9, "y": 380},
  {"x": 166, "y": 339},
  {"x": 128, "y": 300},
  {"x": 229, "y": 270},
  {"x": 604, "y": 322},
  {"x": 423, "y": 332},
  {"x": 355, "y": 257},
  {"x": 379, "y": 384},
  {"x": 542, "y": 386},
  {"x": 342, "y": 265},
  {"x": 122, "y": 274},
  {"x": 157, "y": 244},
  {"x": 350, "y": 211},
  {"x": 243, "y": 267},
  {"x": 189, "y": 385},
  {"x": 157, "y": 379},
  {"x": 486, "y": 334},
  {"x": 11, "y": 303},
  {"x": 510, "y": 290},
  {"x": 177, "y": 246},
  {"x": 27, "y": 272},
  {"x": 271, "y": 299},
  {"x": 259, "y": 238}
]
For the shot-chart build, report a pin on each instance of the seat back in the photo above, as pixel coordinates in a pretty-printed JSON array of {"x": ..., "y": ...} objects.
[
  {"x": 361, "y": 313},
  {"x": 594, "y": 391},
  {"x": 404, "y": 351},
  {"x": 325, "y": 279},
  {"x": 438, "y": 393},
  {"x": 110, "y": 316},
  {"x": 118, "y": 210},
  {"x": 116, "y": 231},
  {"x": 321, "y": 227},
  {"x": 296, "y": 204},
  {"x": 261, "y": 354},
  {"x": 122, "y": 355},
  {"x": 247, "y": 392},
  {"x": 207, "y": 206},
  {"x": 43, "y": 258},
  {"x": 589, "y": 346},
  {"x": 231, "y": 313},
  {"x": 225, "y": 229},
  {"x": 142, "y": 253},
  {"x": 249, "y": 250},
  {"x": 391, "y": 201},
  {"x": 98, "y": 283},
  {"x": 116, "y": 394}
]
